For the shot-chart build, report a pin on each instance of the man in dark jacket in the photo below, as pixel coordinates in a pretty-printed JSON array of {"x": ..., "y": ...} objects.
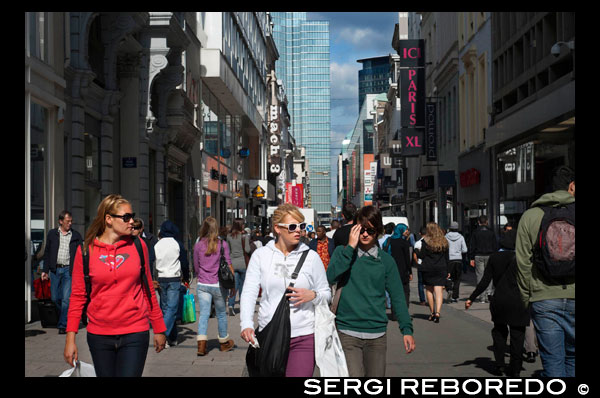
[
  {"x": 398, "y": 246},
  {"x": 506, "y": 307},
  {"x": 61, "y": 245},
  {"x": 483, "y": 243},
  {"x": 342, "y": 235}
]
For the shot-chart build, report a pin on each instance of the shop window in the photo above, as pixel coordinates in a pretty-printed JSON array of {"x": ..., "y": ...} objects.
[{"x": 39, "y": 136}]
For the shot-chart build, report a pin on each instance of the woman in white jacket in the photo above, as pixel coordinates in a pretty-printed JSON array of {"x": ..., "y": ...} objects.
[{"x": 270, "y": 268}]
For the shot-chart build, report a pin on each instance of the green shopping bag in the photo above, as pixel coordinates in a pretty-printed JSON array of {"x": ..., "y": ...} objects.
[{"x": 189, "y": 308}]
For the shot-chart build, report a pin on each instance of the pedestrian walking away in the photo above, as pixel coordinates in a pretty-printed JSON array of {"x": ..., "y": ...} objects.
[
  {"x": 59, "y": 256},
  {"x": 417, "y": 262},
  {"x": 239, "y": 246},
  {"x": 271, "y": 268},
  {"x": 482, "y": 245},
  {"x": 457, "y": 248},
  {"x": 121, "y": 304},
  {"x": 342, "y": 234},
  {"x": 207, "y": 256},
  {"x": 506, "y": 306},
  {"x": 547, "y": 280},
  {"x": 434, "y": 268},
  {"x": 172, "y": 269},
  {"x": 398, "y": 246},
  {"x": 363, "y": 273}
]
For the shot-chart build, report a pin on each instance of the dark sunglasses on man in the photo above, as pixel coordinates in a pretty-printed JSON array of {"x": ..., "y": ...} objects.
[
  {"x": 292, "y": 227},
  {"x": 125, "y": 217}
]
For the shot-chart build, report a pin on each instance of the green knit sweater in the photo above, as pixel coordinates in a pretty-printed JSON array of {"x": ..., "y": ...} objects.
[{"x": 362, "y": 302}]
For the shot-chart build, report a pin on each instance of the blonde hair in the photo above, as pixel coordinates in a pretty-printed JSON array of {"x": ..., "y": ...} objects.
[
  {"x": 284, "y": 210},
  {"x": 109, "y": 205},
  {"x": 435, "y": 238},
  {"x": 210, "y": 231}
]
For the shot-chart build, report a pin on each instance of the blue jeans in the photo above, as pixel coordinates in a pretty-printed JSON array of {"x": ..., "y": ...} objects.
[
  {"x": 169, "y": 301},
  {"x": 240, "y": 276},
  {"x": 420, "y": 287},
  {"x": 205, "y": 296},
  {"x": 554, "y": 322},
  {"x": 119, "y": 355},
  {"x": 60, "y": 291}
]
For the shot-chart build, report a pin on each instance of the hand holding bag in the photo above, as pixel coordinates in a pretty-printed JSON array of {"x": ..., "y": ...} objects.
[{"x": 226, "y": 277}]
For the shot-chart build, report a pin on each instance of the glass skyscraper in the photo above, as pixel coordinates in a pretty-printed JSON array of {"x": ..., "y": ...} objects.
[{"x": 303, "y": 66}]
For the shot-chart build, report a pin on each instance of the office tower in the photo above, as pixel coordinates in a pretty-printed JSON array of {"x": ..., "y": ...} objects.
[{"x": 303, "y": 66}]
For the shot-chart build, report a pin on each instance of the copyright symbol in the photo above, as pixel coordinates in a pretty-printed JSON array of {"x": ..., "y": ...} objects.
[{"x": 583, "y": 389}]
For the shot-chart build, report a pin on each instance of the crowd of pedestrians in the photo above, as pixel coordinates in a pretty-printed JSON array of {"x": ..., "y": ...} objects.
[{"x": 359, "y": 267}]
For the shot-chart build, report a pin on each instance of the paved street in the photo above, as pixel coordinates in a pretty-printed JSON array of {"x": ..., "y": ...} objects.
[{"x": 459, "y": 346}]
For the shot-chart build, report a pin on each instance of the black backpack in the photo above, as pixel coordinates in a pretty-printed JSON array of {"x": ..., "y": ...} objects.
[
  {"x": 86, "y": 271},
  {"x": 554, "y": 251}
]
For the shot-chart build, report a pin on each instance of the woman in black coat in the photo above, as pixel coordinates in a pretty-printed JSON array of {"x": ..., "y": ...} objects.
[
  {"x": 434, "y": 267},
  {"x": 508, "y": 311}
]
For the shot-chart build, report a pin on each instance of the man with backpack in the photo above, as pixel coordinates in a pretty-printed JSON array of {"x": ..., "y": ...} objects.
[{"x": 545, "y": 252}]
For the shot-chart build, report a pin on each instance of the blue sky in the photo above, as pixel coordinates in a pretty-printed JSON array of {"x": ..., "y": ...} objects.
[{"x": 352, "y": 36}]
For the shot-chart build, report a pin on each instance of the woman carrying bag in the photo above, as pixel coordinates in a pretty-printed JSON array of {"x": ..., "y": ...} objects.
[
  {"x": 272, "y": 268},
  {"x": 121, "y": 302},
  {"x": 207, "y": 256}
]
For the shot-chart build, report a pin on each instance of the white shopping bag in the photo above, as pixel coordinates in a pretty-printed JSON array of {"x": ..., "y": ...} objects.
[
  {"x": 329, "y": 354},
  {"x": 81, "y": 369}
]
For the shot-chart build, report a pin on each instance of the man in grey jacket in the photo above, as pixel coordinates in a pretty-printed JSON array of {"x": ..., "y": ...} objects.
[{"x": 457, "y": 247}]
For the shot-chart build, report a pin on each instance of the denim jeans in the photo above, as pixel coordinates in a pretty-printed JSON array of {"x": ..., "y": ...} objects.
[
  {"x": 420, "y": 287},
  {"x": 60, "y": 290},
  {"x": 205, "y": 296},
  {"x": 240, "y": 275},
  {"x": 554, "y": 322},
  {"x": 119, "y": 355},
  {"x": 169, "y": 301}
]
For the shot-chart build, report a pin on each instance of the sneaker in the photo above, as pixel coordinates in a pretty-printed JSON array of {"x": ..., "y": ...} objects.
[
  {"x": 167, "y": 344},
  {"x": 453, "y": 300},
  {"x": 231, "y": 311}
]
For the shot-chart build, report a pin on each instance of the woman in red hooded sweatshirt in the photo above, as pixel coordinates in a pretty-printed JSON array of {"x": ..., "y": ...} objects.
[{"x": 119, "y": 309}]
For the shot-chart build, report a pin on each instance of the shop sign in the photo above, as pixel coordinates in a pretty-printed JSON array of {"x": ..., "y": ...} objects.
[
  {"x": 412, "y": 97},
  {"x": 258, "y": 192},
  {"x": 412, "y": 141},
  {"x": 425, "y": 183},
  {"x": 129, "y": 163},
  {"x": 389, "y": 162},
  {"x": 430, "y": 131},
  {"x": 469, "y": 178},
  {"x": 412, "y": 53},
  {"x": 274, "y": 141}
]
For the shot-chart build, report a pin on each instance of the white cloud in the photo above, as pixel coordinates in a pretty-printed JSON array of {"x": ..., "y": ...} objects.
[
  {"x": 344, "y": 80},
  {"x": 361, "y": 37}
]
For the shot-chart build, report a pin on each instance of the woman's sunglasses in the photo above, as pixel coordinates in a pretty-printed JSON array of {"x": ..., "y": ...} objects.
[
  {"x": 370, "y": 231},
  {"x": 292, "y": 227},
  {"x": 125, "y": 217}
]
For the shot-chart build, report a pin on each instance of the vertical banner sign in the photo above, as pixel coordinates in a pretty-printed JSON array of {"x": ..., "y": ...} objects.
[
  {"x": 412, "y": 142},
  {"x": 412, "y": 53},
  {"x": 412, "y": 97},
  {"x": 274, "y": 141},
  {"x": 431, "y": 130}
]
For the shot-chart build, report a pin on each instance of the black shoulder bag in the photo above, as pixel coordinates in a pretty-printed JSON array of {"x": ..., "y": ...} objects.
[
  {"x": 270, "y": 359},
  {"x": 226, "y": 277}
]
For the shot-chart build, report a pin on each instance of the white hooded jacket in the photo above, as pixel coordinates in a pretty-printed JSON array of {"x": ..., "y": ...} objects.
[{"x": 270, "y": 269}]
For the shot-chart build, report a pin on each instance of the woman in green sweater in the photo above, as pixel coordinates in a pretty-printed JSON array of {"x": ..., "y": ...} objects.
[{"x": 365, "y": 273}]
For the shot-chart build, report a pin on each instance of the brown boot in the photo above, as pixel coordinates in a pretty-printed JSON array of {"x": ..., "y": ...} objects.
[
  {"x": 227, "y": 346},
  {"x": 201, "y": 348}
]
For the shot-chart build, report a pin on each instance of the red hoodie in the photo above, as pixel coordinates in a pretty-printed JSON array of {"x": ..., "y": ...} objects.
[{"x": 118, "y": 303}]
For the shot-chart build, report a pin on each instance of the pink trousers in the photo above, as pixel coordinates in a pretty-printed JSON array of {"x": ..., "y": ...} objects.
[{"x": 301, "y": 360}]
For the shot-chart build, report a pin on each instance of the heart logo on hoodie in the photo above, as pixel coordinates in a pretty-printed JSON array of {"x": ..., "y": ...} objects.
[{"x": 112, "y": 261}]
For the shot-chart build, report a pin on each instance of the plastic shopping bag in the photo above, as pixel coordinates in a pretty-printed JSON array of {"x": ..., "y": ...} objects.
[
  {"x": 81, "y": 369},
  {"x": 189, "y": 308},
  {"x": 329, "y": 354}
]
